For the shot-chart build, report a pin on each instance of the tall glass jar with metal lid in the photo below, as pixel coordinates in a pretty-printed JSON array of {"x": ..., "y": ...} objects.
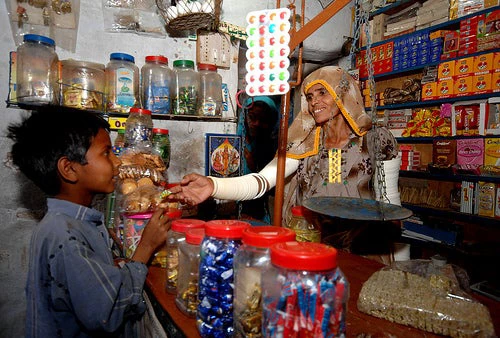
[
  {"x": 210, "y": 103},
  {"x": 187, "y": 88},
  {"x": 37, "y": 70},
  {"x": 122, "y": 83},
  {"x": 253, "y": 257},
  {"x": 175, "y": 236},
  {"x": 189, "y": 263},
  {"x": 214, "y": 316},
  {"x": 304, "y": 292},
  {"x": 156, "y": 79}
]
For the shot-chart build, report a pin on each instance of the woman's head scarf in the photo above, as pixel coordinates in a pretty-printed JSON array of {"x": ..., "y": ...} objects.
[{"x": 303, "y": 134}]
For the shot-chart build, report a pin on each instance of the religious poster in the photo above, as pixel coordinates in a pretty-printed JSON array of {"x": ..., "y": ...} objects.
[{"x": 223, "y": 155}]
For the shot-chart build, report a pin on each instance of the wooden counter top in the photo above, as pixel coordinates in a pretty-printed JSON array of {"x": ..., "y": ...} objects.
[{"x": 357, "y": 270}]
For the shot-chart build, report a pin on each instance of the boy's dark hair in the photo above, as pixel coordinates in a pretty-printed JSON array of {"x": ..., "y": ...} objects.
[{"x": 48, "y": 134}]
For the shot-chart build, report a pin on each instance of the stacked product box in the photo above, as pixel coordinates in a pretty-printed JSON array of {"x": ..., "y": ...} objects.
[
  {"x": 459, "y": 8},
  {"x": 445, "y": 84},
  {"x": 410, "y": 158},
  {"x": 414, "y": 50},
  {"x": 470, "y": 153},
  {"x": 444, "y": 153},
  {"x": 382, "y": 59},
  {"x": 469, "y": 118},
  {"x": 397, "y": 120},
  {"x": 467, "y": 197}
]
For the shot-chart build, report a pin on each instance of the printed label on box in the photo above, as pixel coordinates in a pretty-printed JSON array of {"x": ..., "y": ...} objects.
[{"x": 470, "y": 152}]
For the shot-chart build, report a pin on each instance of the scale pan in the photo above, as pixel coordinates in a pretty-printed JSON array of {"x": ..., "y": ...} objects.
[{"x": 356, "y": 208}]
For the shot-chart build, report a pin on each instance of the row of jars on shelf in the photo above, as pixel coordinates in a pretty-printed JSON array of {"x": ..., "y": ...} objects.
[
  {"x": 118, "y": 86},
  {"x": 248, "y": 281}
]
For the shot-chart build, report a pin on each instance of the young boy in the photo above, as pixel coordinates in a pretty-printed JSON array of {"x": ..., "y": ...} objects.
[{"x": 74, "y": 288}]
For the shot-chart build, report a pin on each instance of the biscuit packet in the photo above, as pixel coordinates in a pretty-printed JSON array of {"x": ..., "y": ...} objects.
[{"x": 426, "y": 295}]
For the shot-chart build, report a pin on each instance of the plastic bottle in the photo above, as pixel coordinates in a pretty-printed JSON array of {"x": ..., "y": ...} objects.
[
  {"x": 122, "y": 83},
  {"x": 303, "y": 285},
  {"x": 189, "y": 264},
  {"x": 176, "y": 235},
  {"x": 215, "y": 289},
  {"x": 187, "y": 87},
  {"x": 251, "y": 259},
  {"x": 119, "y": 143},
  {"x": 156, "y": 80},
  {"x": 37, "y": 70},
  {"x": 210, "y": 103},
  {"x": 304, "y": 230},
  {"x": 139, "y": 128},
  {"x": 161, "y": 144}
]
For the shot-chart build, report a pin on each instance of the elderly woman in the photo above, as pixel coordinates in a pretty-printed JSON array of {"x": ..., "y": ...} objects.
[{"x": 330, "y": 149}]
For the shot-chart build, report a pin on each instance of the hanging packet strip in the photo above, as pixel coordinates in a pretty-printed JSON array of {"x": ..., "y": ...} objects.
[{"x": 268, "y": 50}]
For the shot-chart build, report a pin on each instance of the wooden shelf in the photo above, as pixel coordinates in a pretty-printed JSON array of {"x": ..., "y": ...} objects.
[
  {"x": 417, "y": 104},
  {"x": 453, "y": 215},
  {"x": 448, "y": 177}
]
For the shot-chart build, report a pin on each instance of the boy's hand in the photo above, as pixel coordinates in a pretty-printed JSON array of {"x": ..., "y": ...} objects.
[
  {"x": 192, "y": 190},
  {"x": 153, "y": 236}
]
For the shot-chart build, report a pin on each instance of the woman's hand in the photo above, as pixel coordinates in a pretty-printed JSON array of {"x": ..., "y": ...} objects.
[
  {"x": 153, "y": 236},
  {"x": 192, "y": 190}
]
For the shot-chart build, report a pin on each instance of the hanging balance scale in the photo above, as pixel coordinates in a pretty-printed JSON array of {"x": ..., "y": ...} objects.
[{"x": 351, "y": 207}]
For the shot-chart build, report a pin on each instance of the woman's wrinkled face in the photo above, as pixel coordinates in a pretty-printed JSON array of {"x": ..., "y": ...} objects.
[{"x": 320, "y": 104}]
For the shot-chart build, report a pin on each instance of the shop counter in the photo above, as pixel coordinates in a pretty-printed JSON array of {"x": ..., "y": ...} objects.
[{"x": 357, "y": 270}]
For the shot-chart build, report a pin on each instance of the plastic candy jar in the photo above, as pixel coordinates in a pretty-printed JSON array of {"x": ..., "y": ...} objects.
[
  {"x": 156, "y": 81},
  {"x": 175, "y": 236},
  {"x": 187, "y": 87},
  {"x": 82, "y": 84},
  {"x": 161, "y": 144},
  {"x": 133, "y": 225},
  {"x": 122, "y": 83},
  {"x": 210, "y": 91},
  {"x": 250, "y": 260},
  {"x": 214, "y": 316},
  {"x": 189, "y": 264},
  {"x": 37, "y": 70},
  {"x": 139, "y": 128},
  {"x": 304, "y": 292},
  {"x": 304, "y": 229}
]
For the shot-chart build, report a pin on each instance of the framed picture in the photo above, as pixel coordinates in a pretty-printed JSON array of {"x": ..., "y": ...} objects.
[{"x": 223, "y": 155}]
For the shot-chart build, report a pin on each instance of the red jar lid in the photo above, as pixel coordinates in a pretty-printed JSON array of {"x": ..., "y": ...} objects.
[
  {"x": 225, "y": 228},
  {"x": 140, "y": 111},
  {"x": 195, "y": 236},
  {"x": 160, "y": 131},
  {"x": 265, "y": 236},
  {"x": 185, "y": 224},
  {"x": 157, "y": 58},
  {"x": 299, "y": 210},
  {"x": 173, "y": 214},
  {"x": 207, "y": 66},
  {"x": 304, "y": 256}
]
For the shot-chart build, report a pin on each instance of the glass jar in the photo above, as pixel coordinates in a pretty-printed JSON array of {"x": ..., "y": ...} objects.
[
  {"x": 214, "y": 316},
  {"x": 304, "y": 292},
  {"x": 187, "y": 87},
  {"x": 303, "y": 227},
  {"x": 176, "y": 235},
  {"x": 156, "y": 81},
  {"x": 82, "y": 84},
  {"x": 189, "y": 264},
  {"x": 139, "y": 128},
  {"x": 37, "y": 70},
  {"x": 210, "y": 103},
  {"x": 133, "y": 225},
  {"x": 250, "y": 260},
  {"x": 122, "y": 83},
  {"x": 161, "y": 144},
  {"x": 160, "y": 256}
]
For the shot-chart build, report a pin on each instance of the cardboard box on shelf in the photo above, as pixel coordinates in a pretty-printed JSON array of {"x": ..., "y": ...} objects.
[
  {"x": 495, "y": 82},
  {"x": 483, "y": 63},
  {"x": 464, "y": 66},
  {"x": 469, "y": 118},
  {"x": 445, "y": 88},
  {"x": 429, "y": 91},
  {"x": 446, "y": 69},
  {"x": 481, "y": 84},
  {"x": 444, "y": 152},
  {"x": 463, "y": 85},
  {"x": 492, "y": 151}
]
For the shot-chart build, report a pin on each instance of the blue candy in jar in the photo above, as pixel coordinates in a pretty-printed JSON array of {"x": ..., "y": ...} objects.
[{"x": 214, "y": 317}]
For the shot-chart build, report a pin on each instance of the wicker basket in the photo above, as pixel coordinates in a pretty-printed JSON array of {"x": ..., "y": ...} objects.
[{"x": 190, "y": 14}]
